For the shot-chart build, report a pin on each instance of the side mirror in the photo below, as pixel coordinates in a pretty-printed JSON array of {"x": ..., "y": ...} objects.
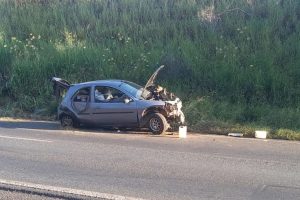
[{"x": 127, "y": 100}]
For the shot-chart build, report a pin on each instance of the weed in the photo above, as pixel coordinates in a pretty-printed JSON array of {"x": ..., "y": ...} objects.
[{"x": 242, "y": 56}]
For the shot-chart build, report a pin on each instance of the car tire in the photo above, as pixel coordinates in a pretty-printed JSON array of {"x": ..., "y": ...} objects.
[
  {"x": 157, "y": 123},
  {"x": 67, "y": 121}
]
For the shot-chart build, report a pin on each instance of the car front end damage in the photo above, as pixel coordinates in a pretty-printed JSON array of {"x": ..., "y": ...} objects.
[
  {"x": 172, "y": 107},
  {"x": 174, "y": 112}
]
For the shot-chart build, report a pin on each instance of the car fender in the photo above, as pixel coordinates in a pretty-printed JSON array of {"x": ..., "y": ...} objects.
[
  {"x": 149, "y": 110},
  {"x": 66, "y": 111}
]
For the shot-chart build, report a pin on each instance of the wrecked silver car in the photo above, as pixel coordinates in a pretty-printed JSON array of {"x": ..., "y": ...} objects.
[{"x": 118, "y": 103}]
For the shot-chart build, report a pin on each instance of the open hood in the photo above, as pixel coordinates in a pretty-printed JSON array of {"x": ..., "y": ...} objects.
[
  {"x": 153, "y": 77},
  {"x": 153, "y": 91}
]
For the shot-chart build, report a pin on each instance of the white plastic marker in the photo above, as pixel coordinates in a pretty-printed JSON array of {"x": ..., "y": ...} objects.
[
  {"x": 21, "y": 138},
  {"x": 69, "y": 191},
  {"x": 182, "y": 131},
  {"x": 261, "y": 134}
]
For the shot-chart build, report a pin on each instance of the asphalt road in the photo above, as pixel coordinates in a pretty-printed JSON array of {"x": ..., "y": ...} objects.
[{"x": 150, "y": 167}]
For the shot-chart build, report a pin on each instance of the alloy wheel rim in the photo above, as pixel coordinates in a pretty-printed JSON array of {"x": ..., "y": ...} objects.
[
  {"x": 67, "y": 121},
  {"x": 155, "y": 124}
]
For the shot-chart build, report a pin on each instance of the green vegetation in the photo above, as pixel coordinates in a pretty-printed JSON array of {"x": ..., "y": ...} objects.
[{"x": 235, "y": 63}]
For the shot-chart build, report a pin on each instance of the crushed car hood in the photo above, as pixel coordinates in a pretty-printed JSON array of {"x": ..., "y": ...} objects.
[
  {"x": 153, "y": 91},
  {"x": 153, "y": 77},
  {"x": 156, "y": 92}
]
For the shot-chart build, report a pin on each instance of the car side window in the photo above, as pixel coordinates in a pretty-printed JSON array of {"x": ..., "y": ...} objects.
[
  {"x": 82, "y": 95},
  {"x": 104, "y": 94}
]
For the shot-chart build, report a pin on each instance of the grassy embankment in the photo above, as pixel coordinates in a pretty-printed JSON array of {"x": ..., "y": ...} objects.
[{"x": 235, "y": 63}]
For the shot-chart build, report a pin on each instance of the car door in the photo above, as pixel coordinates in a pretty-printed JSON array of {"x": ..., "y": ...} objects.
[
  {"x": 81, "y": 103},
  {"x": 109, "y": 108}
]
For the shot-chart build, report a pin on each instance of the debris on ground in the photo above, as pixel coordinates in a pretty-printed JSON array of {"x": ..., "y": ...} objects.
[{"x": 235, "y": 134}]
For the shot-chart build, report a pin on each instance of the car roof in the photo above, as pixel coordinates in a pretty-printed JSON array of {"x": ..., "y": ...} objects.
[{"x": 111, "y": 82}]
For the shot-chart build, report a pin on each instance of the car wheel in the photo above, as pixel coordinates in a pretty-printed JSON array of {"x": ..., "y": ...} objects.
[
  {"x": 157, "y": 123},
  {"x": 67, "y": 121}
]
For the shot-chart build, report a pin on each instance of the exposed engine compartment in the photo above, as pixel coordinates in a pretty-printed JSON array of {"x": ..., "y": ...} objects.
[
  {"x": 159, "y": 93},
  {"x": 173, "y": 104}
]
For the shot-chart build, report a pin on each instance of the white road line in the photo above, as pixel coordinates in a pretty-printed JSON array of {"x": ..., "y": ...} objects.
[
  {"x": 69, "y": 191},
  {"x": 21, "y": 138}
]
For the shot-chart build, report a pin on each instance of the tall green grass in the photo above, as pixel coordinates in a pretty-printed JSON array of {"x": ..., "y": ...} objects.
[{"x": 242, "y": 54}]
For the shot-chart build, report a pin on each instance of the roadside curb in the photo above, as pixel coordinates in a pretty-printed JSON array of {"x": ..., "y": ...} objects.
[{"x": 58, "y": 192}]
